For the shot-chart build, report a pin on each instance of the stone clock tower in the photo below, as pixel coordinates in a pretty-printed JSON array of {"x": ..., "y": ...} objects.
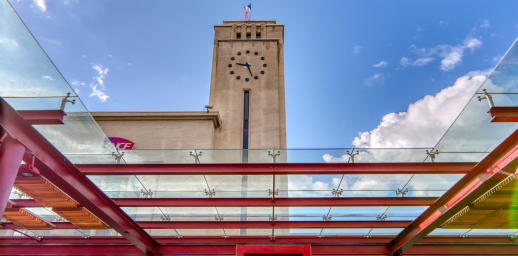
[{"x": 247, "y": 85}]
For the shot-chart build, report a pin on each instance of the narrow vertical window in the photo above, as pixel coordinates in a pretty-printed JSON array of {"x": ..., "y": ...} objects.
[
  {"x": 238, "y": 36},
  {"x": 246, "y": 117}
]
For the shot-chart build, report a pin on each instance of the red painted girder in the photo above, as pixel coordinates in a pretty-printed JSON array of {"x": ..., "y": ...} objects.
[
  {"x": 23, "y": 203},
  {"x": 278, "y": 168},
  {"x": 279, "y": 202},
  {"x": 68, "y": 240},
  {"x": 269, "y": 225},
  {"x": 61, "y": 172},
  {"x": 493, "y": 169},
  {"x": 42, "y": 117},
  {"x": 246, "y": 224},
  {"x": 504, "y": 114},
  {"x": 352, "y": 249}
]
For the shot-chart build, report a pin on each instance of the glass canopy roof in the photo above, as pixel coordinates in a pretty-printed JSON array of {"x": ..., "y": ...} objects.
[{"x": 30, "y": 81}]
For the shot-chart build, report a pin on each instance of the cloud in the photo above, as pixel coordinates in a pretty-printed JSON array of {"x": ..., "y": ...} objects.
[
  {"x": 485, "y": 24},
  {"x": 417, "y": 63},
  {"x": 424, "y": 122},
  {"x": 381, "y": 64},
  {"x": 48, "y": 77},
  {"x": 451, "y": 55},
  {"x": 419, "y": 29},
  {"x": 377, "y": 78},
  {"x": 40, "y": 5},
  {"x": 129, "y": 64},
  {"x": 357, "y": 49},
  {"x": 111, "y": 56},
  {"x": 98, "y": 88},
  {"x": 300, "y": 184},
  {"x": 443, "y": 24},
  {"x": 77, "y": 91},
  {"x": 479, "y": 73},
  {"x": 84, "y": 56}
]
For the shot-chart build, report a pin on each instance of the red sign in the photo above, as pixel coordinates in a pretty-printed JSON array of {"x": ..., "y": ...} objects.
[{"x": 121, "y": 143}]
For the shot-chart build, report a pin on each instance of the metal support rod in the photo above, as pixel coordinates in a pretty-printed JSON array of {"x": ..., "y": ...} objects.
[
  {"x": 488, "y": 97},
  {"x": 11, "y": 154},
  {"x": 65, "y": 100},
  {"x": 274, "y": 155}
]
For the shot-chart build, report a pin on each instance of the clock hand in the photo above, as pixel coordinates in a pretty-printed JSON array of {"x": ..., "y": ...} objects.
[
  {"x": 249, "y": 70},
  {"x": 242, "y": 64}
]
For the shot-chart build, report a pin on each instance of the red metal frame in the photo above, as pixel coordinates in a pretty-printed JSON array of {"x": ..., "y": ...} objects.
[
  {"x": 493, "y": 169},
  {"x": 279, "y": 202},
  {"x": 11, "y": 154},
  {"x": 247, "y": 224},
  {"x": 347, "y": 249},
  {"x": 302, "y": 250},
  {"x": 504, "y": 114},
  {"x": 61, "y": 172},
  {"x": 277, "y": 168},
  {"x": 43, "y": 117}
]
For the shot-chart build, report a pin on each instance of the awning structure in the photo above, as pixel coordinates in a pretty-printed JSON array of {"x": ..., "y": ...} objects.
[{"x": 75, "y": 194}]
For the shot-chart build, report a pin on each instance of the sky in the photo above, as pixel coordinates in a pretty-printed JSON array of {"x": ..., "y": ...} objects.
[{"x": 357, "y": 73}]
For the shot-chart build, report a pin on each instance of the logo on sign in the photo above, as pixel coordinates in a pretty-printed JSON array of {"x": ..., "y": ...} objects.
[{"x": 121, "y": 143}]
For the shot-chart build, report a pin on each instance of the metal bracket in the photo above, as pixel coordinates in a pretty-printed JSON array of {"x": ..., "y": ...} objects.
[
  {"x": 225, "y": 236},
  {"x": 196, "y": 156},
  {"x": 272, "y": 219},
  {"x": 270, "y": 192},
  {"x": 465, "y": 234},
  {"x": 381, "y": 218},
  {"x": 165, "y": 218},
  {"x": 218, "y": 218},
  {"x": 337, "y": 193},
  {"x": 401, "y": 192},
  {"x": 367, "y": 236},
  {"x": 352, "y": 154},
  {"x": 511, "y": 236},
  {"x": 432, "y": 154},
  {"x": 274, "y": 156},
  {"x": 65, "y": 100},
  {"x": 37, "y": 237},
  {"x": 178, "y": 236},
  {"x": 320, "y": 236},
  {"x": 272, "y": 238},
  {"x": 146, "y": 193},
  {"x": 83, "y": 235},
  {"x": 210, "y": 193},
  {"x": 488, "y": 97},
  {"x": 325, "y": 218},
  {"x": 118, "y": 156}
]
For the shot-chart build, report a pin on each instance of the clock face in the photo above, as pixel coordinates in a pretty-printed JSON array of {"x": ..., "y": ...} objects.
[{"x": 247, "y": 65}]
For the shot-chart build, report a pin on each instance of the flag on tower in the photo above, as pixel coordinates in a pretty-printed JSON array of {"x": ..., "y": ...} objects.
[{"x": 248, "y": 11}]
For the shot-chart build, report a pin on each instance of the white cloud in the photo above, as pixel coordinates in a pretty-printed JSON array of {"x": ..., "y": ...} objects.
[
  {"x": 84, "y": 56},
  {"x": 417, "y": 63},
  {"x": 452, "y": 55},
  {"x": 497, "y": 58},
  {"x": 40, "y": 5},
  {"x": 129, "y": 64},
  {"x": 111, "y": 56},
  {"x": 485, "y": 24},
  {"x": 419, "y": 29},
  {"x": 48, "y": 77},
  {"x": 299, "y": 185},
  {"x": 98, "y": 89},
  {"x": 479, "y": 73},
  {"x": 443, "y": 23},
  {"x": 357, "y": 49},
  {"x": 424, "y": 122},
  {"x": 381, "y": 64},
  {"x": 377, "y": 78},
  {"x": 77, "y": 91}
]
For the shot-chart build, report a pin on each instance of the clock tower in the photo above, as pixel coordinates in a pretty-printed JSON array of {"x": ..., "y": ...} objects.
[{"x": 247, "y": 85}]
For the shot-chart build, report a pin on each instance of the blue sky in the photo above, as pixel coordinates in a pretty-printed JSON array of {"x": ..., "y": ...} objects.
[{"x": 347, "y": 63}]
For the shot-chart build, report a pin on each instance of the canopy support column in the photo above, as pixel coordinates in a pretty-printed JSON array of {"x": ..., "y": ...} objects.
[{"x": 11, "y": 154}]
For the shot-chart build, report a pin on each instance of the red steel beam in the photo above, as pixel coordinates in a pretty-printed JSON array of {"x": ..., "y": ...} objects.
[
  {"x": 493, "y": 169},
  {"x": 348, "y": 249},
  {"x": 246, "y": 224},
  {"x": 504, "y": 114},
  {"x": 279, "y": 202},
  {"x": 277, "y": 168},
  {"x": 43, "y": 117},
  {"x": 62, "y": 173},
  {"x": 429, "y": 240}
]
